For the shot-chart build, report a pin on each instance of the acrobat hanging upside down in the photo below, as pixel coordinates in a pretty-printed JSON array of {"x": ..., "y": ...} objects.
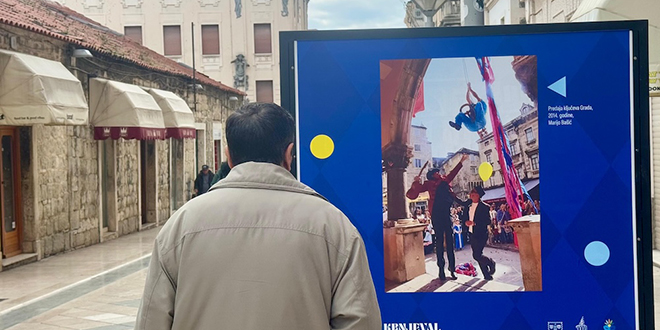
[{"x": 474, "y": 119}]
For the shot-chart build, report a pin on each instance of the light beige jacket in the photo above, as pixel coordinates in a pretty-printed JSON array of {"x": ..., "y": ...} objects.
[{"x": 259, "y": 251}]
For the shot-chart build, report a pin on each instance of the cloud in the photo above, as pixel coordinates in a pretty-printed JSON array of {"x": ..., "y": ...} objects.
[{"x": 356, "y": 14}]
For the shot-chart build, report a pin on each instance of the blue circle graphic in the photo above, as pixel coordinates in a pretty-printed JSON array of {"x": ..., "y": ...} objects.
[{"x": 597, "y": 253}]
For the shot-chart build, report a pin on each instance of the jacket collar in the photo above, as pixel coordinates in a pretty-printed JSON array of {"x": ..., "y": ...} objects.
[{"x": 253, "y": 175}]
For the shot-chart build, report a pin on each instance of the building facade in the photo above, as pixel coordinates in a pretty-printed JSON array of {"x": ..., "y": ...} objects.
[
  {"x": 500, "y": 12},
  {"x": 236, "y": 41},
  {"x": 468, "y": 177},
  {"x": 523, "y": 134},
  {"x": 422, "y": 153},
  {"x": 78, "y": 184}
]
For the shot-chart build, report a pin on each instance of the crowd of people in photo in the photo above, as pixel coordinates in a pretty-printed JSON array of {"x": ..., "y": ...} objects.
[{"x": 500, "y": 231}]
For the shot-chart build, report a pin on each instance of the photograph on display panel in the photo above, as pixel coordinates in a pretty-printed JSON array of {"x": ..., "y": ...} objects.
[{"x": 460, "y": 143}]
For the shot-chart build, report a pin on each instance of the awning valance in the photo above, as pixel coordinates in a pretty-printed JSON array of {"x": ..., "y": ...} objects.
[
  {"x": 497, "y": 194},
  {"x": 34, "y": 90},
  {"x": 120, "y": 110},
  {"x": 179, "y": 119}
]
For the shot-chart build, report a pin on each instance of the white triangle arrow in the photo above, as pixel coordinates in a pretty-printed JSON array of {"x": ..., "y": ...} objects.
[{"x": 559, "y": 87}]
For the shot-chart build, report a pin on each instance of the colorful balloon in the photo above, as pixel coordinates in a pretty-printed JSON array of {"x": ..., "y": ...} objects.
[{"x": 485, "y": 171}]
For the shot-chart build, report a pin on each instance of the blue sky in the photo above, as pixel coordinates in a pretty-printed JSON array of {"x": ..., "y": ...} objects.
[
  {"x": 356, "y": 14},
  {"x": 445, "y": 86}
]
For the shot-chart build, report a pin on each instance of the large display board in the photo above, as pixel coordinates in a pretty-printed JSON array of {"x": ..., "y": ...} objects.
[{"x": 440, "y": 144}]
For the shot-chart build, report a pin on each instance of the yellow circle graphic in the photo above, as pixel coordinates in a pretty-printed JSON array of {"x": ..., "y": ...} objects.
[{"x": 322, "y": 146}]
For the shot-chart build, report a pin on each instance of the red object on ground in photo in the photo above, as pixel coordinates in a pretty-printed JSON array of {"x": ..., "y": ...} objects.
[{"x": 419, "y": 100}]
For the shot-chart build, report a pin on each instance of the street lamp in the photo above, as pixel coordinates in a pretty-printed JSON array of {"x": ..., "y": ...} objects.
[{"x": 429, "y": 8}]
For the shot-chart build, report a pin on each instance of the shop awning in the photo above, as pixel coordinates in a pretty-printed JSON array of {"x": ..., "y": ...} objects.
[
  {"x": 34, "y": 90},
  {"x": 179, "y": 119},
  {"x": 496, "y": 194},
  {"x": 120, "y": 110}
]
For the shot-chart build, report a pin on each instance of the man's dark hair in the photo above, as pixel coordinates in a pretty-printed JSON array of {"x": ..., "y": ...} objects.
[
  {"x": 430, "y": 173},
  {"x": 259, "y": 132}
]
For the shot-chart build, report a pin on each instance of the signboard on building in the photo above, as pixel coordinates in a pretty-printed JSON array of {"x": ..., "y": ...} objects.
[
  {"x": 654, "y": 79},
  {"x": 518, "y": 118},
  {"x": 217, "y": 131}
]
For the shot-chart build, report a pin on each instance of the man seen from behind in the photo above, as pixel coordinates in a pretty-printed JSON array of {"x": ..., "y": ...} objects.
[{"x": 260, "y": 250}]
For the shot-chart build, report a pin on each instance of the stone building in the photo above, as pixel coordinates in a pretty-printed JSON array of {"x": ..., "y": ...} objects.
[
  {"x": 468, "y": 177},
  {"x": 421, "y": 154},
  {"x": 236, "y": 41},
  {"x": 523, "y": 134},
  {"x": 75, "y": 178}
]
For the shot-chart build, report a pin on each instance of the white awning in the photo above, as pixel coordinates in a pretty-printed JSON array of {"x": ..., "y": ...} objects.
[
  {"x": 120, "y": 110},
  {"x": 499, "y": 193},
  {"x": 179, "y": 119},
  {"x": 34, "y": 90},
  {"x": 617, "y": 10}
]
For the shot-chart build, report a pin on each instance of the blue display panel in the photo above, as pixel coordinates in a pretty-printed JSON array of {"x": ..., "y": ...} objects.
[{"x": 579, "y": 159}]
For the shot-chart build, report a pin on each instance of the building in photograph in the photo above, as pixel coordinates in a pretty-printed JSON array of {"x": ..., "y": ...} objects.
[
  {"x": 108, "y": 145},
  {"x": 236, "y": 41},
  {"x": 468, "y": 177},
  {"x": 421, "y": 154},
  {"x": 523, "y": 134}
]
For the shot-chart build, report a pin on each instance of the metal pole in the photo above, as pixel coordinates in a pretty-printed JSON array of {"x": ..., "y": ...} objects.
[
  {"x": 194, "y": 81},
  {"x": 194, "y": 88},
  {"x": 475, "y": 12}
]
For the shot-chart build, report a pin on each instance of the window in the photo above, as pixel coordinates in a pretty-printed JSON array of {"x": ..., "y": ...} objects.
[
  {"x": 418, "y": 163},
  {"x": 488, "y": 158},
  {"x": 514, "y": 148},
  {"x": 418, "y": 147},
  {"x": 523, "y": 21},
  {"x": 473, "y": 169},
  {"x": 521, "y": 3},
  {"x": 262, "y": 39},
  {"x": 134, "y": 33},
  {"x": 210, "y": 40},
  {"x": 265, "y": 91},
  {"x": 534, "y": 159},
  {"x": 172, "y": 40},
  {"x": 529, "y": 133},
  {"x": 486, "y": 143}
]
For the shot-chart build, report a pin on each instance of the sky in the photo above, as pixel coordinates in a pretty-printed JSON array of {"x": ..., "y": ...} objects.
[
  {"x": 445, "y": 86},
  {"x": 356, "y": 14}
]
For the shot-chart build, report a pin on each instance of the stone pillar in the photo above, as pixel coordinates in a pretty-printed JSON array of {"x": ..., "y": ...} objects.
[
  {"x": 404, "y": 252},
  {"x": 528, "y": 230},
  {"x": 396, "y": 158}
]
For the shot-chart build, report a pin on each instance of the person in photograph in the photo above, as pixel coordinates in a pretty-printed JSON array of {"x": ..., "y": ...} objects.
[
  {"x": 493, "y": 213},
  {"x": 458, "y": 237},
  {"x": 474, "y": 119},
  {"x": 479, "y": 219},
  {"x": 442, "y": 224},
  {"x": 433, "y": 179},
  {"x": 428, "y": 242}
]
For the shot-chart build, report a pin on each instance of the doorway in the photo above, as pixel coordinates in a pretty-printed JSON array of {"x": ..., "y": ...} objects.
[
  {"x": 217, "y": 150},
  {"x": 10, "y": 194},
  {"x": 148, "y": 181}
]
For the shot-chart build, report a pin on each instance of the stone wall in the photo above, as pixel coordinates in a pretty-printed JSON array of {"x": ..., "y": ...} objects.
[
  {"x": 84, "y": 211},
  {"x": 128, "y": 194},
  {"x": 163, "y": 180},
  {"x": 53, "y": 174}
]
